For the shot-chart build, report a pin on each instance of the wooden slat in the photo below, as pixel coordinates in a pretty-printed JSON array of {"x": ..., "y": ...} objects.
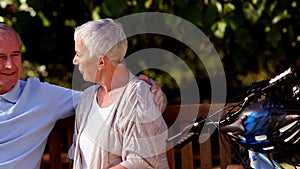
[
  {"x": 235, "y": 167},
  {"x": 171, "y": 158},
  {"x": 186, "y": 113},
  {"x": 225, "y": 158},
  {"x": 56, "y": 157},
  {"x": 187, "y": 159},
  {"x": 171, "y": 153},
  {"x": 54, "y": 148},
  {"x": 206, "y": 153}
]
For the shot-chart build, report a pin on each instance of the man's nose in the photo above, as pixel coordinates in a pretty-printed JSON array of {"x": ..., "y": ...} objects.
[{"x": 9, "y": 63}]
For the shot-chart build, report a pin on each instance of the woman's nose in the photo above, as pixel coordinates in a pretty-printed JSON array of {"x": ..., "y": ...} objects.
[{"x": 75, "y": 62}]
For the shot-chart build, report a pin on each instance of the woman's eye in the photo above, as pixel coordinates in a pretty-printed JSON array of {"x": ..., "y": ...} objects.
[{"x": 77, "y": 55}]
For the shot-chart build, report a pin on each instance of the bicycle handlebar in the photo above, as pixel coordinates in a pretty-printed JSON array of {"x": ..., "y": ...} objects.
[
  {"x": 282, "y": 75},
  {"x": 256, "y": 88}
]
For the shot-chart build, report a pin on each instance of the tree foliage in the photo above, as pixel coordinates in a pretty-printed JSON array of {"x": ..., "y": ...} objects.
[{"x": 255, "y": 39}]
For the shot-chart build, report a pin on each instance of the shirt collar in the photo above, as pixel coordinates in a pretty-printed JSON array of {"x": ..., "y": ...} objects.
[{"x": 13, "y": 95}]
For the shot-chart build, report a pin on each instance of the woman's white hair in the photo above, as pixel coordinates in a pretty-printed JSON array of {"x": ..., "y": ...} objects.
[{"x": 103, "y": 37}]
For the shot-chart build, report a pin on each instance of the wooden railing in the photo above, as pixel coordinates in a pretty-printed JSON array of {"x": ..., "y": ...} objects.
[{"x": 205, "y": 155}]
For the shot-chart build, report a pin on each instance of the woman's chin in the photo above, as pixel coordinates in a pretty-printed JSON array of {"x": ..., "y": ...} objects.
[{"x": 88, "y": 79}]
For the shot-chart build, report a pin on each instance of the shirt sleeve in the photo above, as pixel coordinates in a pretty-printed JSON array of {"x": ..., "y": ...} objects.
[
  {"x": 66, "y": 100},
  {"x": 144, "y": 130}
]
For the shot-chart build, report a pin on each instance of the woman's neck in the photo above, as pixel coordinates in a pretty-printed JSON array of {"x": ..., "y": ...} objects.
[{"x": 119, "y": 78}]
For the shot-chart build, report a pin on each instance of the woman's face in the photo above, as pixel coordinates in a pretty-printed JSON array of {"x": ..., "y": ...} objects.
[{"x": 87, "y": 64}]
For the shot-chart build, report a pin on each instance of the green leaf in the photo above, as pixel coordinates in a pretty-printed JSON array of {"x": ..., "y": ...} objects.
[
  {"x": 181, "y": 2},
  {"x": 273, "y": 37},
  {"x": 114, "y": 8},
  {"x": 37, "y": 5}
]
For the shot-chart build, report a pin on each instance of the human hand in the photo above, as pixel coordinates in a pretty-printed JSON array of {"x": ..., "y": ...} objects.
[{"x": 156, "y": 89}]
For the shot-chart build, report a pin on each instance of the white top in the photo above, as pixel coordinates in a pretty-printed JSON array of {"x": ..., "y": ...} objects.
[{"x": 86, "y": 144}]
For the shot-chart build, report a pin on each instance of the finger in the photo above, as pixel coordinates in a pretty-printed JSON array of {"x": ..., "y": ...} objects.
[
  {"x": 144, "y": 78},
  {"x": 159, "y": 99},
  {"x": 154, "y": 86}
]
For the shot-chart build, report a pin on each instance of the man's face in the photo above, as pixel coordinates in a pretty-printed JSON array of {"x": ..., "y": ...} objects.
[{"x": 10, "y": 61}]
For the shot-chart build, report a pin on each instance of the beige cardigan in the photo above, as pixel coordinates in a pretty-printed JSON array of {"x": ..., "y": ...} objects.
[{"x": 135, "y": 133}]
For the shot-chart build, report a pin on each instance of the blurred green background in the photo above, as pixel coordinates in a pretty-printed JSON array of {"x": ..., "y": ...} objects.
[{"x": 255, "y": 40}]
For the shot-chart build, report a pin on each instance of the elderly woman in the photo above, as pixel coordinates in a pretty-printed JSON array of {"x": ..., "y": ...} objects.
[{"x": 117, "y": 123}]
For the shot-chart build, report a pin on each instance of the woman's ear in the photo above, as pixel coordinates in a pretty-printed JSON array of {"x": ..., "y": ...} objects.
[{"x": 101, "y": 61}]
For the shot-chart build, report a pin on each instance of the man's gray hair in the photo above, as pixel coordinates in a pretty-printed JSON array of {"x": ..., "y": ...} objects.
[
  {"x": 4, "y": 28},
  {"x": 103, "y": 37}
]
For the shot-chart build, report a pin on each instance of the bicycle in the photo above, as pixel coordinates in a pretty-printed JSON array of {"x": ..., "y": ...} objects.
[{"x": 265, "y": 123}]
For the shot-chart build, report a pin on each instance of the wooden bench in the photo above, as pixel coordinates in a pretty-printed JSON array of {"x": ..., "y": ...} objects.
[
  {"x": 205, "y": 155},
  {"x": 59, "y": 140}
]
